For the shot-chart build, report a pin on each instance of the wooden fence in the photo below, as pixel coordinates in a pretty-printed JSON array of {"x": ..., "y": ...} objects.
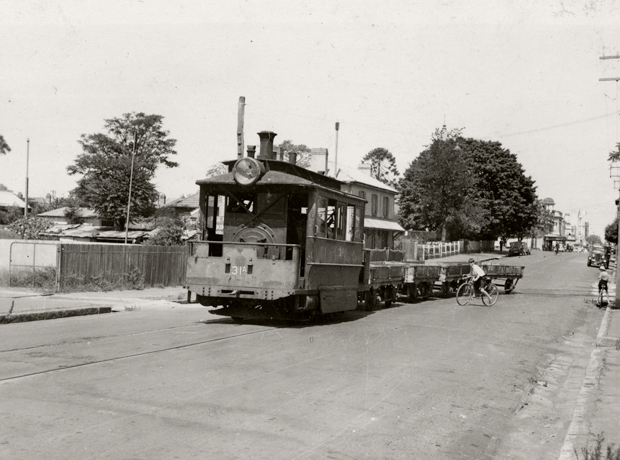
[{"x": 121, "y": 265}]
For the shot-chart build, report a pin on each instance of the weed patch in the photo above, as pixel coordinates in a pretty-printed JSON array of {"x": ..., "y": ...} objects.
[{"x": 597, "y": 452}]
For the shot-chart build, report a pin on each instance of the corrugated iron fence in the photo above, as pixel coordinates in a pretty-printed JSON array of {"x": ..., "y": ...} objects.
[{"x": 121, "y": 265}]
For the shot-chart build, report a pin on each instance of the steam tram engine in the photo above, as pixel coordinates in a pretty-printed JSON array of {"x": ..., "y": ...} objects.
[{"x": 279, "y": 241}]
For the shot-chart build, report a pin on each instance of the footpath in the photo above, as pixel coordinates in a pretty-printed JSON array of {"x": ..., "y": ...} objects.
[
  {"x": 19, "y": 305},
  {"x": 597, "y": 409}
]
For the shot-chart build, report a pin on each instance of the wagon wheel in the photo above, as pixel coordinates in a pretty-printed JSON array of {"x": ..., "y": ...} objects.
[
  {"x": 389, "y": 296},
  {"x": 426, "y": 290},
  {"x": 509, "y": 285},
  {"x": 412, "y": 293},
  {"x": 445, "y": 289},
  {"x": 372, "y": 300}
]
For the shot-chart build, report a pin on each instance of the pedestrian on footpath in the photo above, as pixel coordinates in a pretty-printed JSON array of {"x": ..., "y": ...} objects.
[{"x": 603, "y": 280}]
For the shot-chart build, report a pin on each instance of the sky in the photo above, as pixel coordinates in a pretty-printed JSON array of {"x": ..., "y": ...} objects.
[{"x": 524, "y": 73}]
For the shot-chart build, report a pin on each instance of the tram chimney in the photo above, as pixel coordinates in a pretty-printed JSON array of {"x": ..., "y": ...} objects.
[
  {"x": 292, "y": 157},
  {"x": 266, "y": 145},
  {"x": 251, "y": 151}
]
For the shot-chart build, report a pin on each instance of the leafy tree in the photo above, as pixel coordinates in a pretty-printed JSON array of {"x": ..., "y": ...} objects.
[
  {"x": 503, "y": 190},
  {"x": 4, "y": 147},
  {"x": 594, "y": 239},
  {"x": 105, "y": 166},
  {"x": 611, "y": 232},
  {"x": 437, "y": 192},
  {"x": 73, "y": 213},
  {"x": 304, "y": 154},
  {"x": 382, "y": 166},
  {"x": 3, "y": 188},
  {"x": 30, "y": 228},
  {"x": 169, "y": 233},
  {"x": 544, "y": 223},
  {"x": 216, "y": 170}
]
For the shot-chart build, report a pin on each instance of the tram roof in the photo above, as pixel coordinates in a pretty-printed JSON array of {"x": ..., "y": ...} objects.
[{"x": 278, "y": 173}]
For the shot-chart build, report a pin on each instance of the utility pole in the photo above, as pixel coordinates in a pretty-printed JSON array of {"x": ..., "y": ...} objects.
[
  {"x": 240, "y": 116},
  {"x": 617, "y": 300},
  {"x": 133, "y": 155},
  {"x": 27, "y": 165},
  {"x": 336, "y": 154}
]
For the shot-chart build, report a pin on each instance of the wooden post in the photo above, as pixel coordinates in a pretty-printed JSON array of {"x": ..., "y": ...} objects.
[{"x": 240, "y": 115}]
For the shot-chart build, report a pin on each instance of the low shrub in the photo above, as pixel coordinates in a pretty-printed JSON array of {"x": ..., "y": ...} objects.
[{"x": 597, "y": 452}]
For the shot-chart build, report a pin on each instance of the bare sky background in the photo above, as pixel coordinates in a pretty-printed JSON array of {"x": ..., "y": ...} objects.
[{"x": 524, "y": 73}]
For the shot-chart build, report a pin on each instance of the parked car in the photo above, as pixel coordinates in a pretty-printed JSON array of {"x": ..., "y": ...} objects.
[
  {"x": 518, "y": 248},
  {"x": 596, "y": 257}
]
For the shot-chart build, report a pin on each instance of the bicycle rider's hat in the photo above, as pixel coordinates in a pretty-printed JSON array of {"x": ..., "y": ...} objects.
[
  {"x": 471, "y": 261},
  {"x": 602, "y": 267}
]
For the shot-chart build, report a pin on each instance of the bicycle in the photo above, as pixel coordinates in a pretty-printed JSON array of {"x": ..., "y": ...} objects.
[
  {"x": 602, "y": 293},
  {"x": 488, "y": 291}
]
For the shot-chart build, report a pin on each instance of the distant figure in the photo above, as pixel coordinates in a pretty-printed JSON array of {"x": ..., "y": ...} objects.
[{"x": 603, "y": 279}]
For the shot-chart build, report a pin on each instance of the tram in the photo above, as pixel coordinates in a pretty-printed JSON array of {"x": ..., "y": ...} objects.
[{"x": 279, "y": 241}]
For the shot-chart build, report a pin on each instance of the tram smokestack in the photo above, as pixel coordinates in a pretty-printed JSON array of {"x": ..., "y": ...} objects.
[{"x": 266, "y": 145}]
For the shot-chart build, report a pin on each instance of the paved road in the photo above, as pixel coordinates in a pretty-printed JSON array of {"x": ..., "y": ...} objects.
[{"x": 429, "y": 380}]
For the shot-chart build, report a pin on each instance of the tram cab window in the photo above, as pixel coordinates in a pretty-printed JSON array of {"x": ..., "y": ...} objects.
[
  {"x": 240, "y": 204},
  {"x": 214, "y": 223}
]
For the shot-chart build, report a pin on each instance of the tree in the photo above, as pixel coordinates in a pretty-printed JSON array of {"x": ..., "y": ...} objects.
[
  {"x": 593, "y": 239},
  {"x": 382, "y": 166},
  {"x": 304, "y": 154},
  {"x": 105, "y": 166},
  {"x": 169, "y": 233},
  {"x": 504, "y": 191},
  {"x": 4, "y": 147},
  {"x": 611, "y": 232},
  {"x": 437, "y": 192},
  {"x": 216, "y": 170},
  {"x": 30, "y": 228}
]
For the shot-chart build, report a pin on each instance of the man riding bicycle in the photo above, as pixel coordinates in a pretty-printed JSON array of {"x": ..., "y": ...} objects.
[{"x": 477, "y": 274}]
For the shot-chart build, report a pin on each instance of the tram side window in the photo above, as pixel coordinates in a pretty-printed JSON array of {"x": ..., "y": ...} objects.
[
  {"x": 341, "y": 222},
  {"x": 351, "y": 219},
  {"x": 321, "y": 217},
  {"x": 331, "y": 219},
  {"x": 358, "y": 228}
]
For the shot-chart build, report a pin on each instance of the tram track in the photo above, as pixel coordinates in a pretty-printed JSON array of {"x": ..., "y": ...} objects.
[{"x": 127, "y": 356}]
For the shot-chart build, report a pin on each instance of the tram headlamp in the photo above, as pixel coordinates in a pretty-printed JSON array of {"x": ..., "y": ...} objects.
[{"x": 247, "y": 171}]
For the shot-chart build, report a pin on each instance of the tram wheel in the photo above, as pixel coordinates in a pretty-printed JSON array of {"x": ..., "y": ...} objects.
[{"x": 372, "y": 300}]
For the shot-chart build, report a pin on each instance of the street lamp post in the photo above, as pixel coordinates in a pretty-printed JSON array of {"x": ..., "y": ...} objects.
[{"x": 133, "y": 154}]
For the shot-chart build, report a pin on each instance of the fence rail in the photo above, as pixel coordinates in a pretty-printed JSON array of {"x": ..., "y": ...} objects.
[{"x": 120, "y": 265}]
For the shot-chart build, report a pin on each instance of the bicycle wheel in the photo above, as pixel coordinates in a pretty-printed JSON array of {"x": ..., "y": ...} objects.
[
  {"x": 464, "y": 293},
  {"x": 490, "y": 294},
  {"x": 601, "y": 297}
]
